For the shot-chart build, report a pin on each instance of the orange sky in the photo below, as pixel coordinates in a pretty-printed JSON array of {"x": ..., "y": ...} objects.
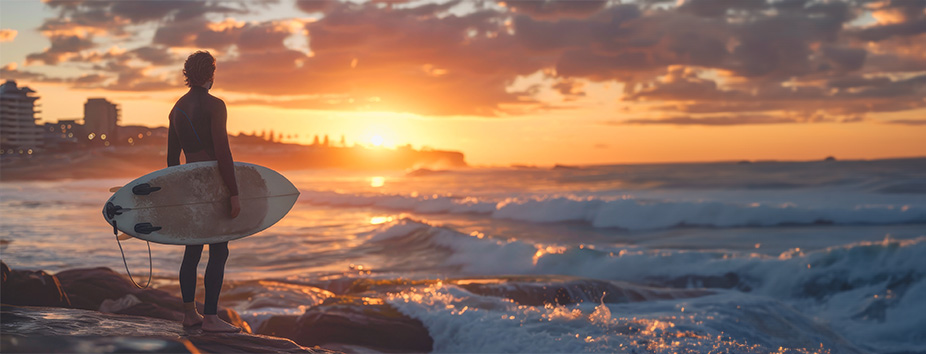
[{"x": 538, "y": 82}]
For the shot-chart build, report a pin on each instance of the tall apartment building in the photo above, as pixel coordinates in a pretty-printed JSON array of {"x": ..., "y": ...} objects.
[
  {"x": 18, "y": 132},
  {"x": 101, "y": 117}
]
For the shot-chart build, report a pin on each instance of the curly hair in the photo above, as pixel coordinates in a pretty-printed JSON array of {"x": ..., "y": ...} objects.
[{"x": 199, "y": 68}]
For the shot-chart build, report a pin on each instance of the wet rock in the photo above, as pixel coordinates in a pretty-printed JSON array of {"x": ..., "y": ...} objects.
[
  {"x": 49, "y": 329},
  {"x": 354, "y": 321},
  {"x": 101, "y": 289},
  {"x": 94, "y": 344},
  {"x": 31, "y": 288},
  {"x": 562, "y": 290},
  {"x": 279, "y": 326}
]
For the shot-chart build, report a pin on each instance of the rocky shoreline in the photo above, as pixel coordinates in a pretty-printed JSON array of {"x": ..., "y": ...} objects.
[{"x": 99, "y": 309}]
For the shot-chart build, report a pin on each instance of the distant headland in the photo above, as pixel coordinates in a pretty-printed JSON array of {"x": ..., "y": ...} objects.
[{"x": 143, "y": 149}]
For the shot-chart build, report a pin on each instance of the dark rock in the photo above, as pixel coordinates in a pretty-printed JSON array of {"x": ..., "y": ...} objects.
[
  {"x": 101, "y": 289},
  {"x": 31, "y": 288},
  {"x": 49, "y": 329},
  {"x": 279, "y": 326},
  {"x": 357, "y": 321},
  {"x": 94, "y": 344}
]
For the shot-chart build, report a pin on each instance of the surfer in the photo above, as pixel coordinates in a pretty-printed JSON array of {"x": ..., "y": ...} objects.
[{"x": 197, "y": 127}]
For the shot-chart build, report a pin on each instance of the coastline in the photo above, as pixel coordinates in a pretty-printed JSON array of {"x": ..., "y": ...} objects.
[{"x": 132, "y": 162}]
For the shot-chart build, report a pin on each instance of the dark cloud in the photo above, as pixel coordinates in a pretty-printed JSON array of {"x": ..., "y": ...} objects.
[
  {"x": 717, "y": 8},
  {"x": 555, "y": 9},
  {"x": 263, "y": 37},
  {"x": 843, "y": 59},
  {"x": 314, "y": 6},
  {"x": 61, "y": 47},
  {"x": 904, "y": 29},
  {"x": 155, "y": 55}
]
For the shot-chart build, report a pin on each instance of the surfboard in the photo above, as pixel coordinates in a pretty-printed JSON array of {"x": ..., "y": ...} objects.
[{"x": 188, "y": 204}]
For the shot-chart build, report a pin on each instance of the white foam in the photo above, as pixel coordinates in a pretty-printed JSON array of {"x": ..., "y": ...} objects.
[
  {"x": 460, "y": 321},
  {"x": 631, "y": 213},
  {"x": 869, "y": 291}
]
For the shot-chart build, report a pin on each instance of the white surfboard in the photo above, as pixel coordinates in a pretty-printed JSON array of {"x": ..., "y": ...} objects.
[{"x": 188, "y": 204}]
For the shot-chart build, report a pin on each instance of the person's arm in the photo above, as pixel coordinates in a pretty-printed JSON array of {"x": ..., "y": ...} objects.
[
  {"x": 222, "y": 150},
  {"x": 173, "y": 145}
]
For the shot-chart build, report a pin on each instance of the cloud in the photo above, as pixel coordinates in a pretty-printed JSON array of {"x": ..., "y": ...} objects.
[
  {"x": 895, "y": 19},
  {"x": 709, "y": 121},
  {"x": 7, "y": 35},
  {"x": 718, "y": 8},
  {"x": 314, "y": 6},
  {"x": 10, "y": 72},
  {"x": 555, "y": 9},
  {"x": 407, "y": 59},
  {"x": 914, "y": 122},
  {"x": 840, "y": 98},
  {"x": 708, "y": 62},
  {"x": 570, "y": 88}
]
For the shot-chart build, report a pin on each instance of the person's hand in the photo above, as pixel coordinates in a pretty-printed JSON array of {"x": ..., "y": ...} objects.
[{"x": 235, "y": 206}]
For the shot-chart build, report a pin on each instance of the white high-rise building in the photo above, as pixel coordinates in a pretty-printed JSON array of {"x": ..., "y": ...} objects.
[{"x": 18, "y": 132}]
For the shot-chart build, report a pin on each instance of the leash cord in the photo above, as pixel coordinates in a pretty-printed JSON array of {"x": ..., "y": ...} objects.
[{"x": 126, "y": 264}]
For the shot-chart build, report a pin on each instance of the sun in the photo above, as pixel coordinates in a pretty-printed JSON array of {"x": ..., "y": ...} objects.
[{"x": 377, "y": 140}]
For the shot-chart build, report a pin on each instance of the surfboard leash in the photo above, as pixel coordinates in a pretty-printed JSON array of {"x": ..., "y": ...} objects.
[{"x": 126, "y": 264}]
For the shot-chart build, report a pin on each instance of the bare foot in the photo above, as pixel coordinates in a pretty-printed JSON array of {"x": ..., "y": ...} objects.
[
  {"x": 191, "y": 317},
  {"x": 212, "y": 323}
]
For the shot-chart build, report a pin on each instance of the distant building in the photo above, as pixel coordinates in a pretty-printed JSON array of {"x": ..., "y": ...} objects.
[
  {"x": 101, "y": 118},
  {"x": 18, "y": 132},
  {"x": 65, "y": 133}
]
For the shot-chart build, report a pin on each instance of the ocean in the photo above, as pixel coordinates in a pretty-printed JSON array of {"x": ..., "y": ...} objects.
[{"x": 795, "y": 257}]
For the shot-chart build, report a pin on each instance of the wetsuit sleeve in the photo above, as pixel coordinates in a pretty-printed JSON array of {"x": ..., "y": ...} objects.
[
  {"x": 222, "y": 151},
  {"x": 173, "y": 145}
]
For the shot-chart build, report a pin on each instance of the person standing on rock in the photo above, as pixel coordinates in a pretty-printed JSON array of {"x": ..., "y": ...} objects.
[{"x": 197, "y": 127}]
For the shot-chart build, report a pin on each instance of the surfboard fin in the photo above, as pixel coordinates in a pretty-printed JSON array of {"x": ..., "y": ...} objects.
[
  {"x": 115, "y": 189},
  {"x": 123, "y": 237},
  {"x": 146, "y": 228},
  {"x": 144, "y": 189}
]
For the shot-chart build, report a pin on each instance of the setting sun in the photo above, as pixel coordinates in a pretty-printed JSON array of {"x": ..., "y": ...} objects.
[{"x": 377, "y": 140}]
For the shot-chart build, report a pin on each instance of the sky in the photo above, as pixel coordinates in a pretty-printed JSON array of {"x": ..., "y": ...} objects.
[{"x": 505, "y": 82}]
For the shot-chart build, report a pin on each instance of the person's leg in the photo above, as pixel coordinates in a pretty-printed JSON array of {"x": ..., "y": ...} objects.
[
  {"x": 215, "y": 275},
  {"x": 191, "y": 256}
]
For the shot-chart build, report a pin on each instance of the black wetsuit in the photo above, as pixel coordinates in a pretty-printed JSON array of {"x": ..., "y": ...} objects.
[{"x": 197, "y": 127}]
